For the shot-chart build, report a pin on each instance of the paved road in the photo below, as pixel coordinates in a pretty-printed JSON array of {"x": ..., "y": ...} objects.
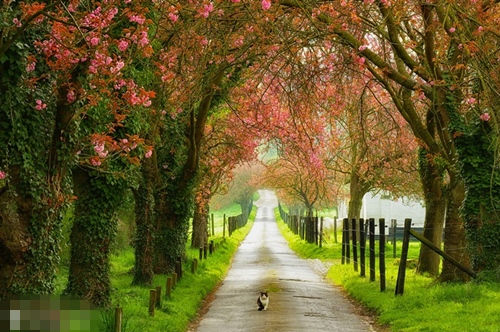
[{"x": 300, "y": 300}]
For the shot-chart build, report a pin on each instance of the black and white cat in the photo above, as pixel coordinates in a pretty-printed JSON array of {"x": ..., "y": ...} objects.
[{"x": 263, "y": 301}]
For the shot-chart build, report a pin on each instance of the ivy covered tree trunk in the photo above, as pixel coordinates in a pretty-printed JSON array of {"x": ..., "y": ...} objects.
[
  {"x": 145, "y": 220},
  {"x": 29, "y": 245},
  {"x": 454, "y": 234},
  {"x": 172, "y": 226},
  {"x": 94, "y": 229},
  {"x": 435, "y": 206},
  {"x": 200, "y": 231},
  {"x": 482, "y": 199}
]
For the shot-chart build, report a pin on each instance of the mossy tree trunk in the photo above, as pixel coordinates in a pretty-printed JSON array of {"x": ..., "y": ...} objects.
[
  {"x": 200, "y": 227},
  {"x": 145, "y": 219},
  {"x": 93, "y": 232}
]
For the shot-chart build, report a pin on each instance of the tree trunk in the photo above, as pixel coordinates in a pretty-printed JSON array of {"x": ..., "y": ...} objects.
[
  {"x": 15, "y": 241},
  {"x": 145, "y": 219},
  {"x": 200, "y": 230},
  {"x": 357, "y": 191},
  {"x": 435, "y": 206},
  {"x": 454, "y": 235},
  {"x": 94, "y": 229}
]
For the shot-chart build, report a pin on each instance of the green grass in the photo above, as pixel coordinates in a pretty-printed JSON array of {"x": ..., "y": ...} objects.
[{"x": 426, "y": 304}]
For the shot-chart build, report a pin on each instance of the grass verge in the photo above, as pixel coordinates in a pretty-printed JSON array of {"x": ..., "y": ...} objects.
[{"x": 425, "y": 306}]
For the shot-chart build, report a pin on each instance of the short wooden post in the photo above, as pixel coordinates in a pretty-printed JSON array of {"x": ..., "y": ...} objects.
[
  {"x": 321, "y": 233},
  {"x": 347, "y": 241},
  {"x": 354, "y": 245},
  {"x": 193, "y": 266},
  {"x": 179, "y": 258},
  {"x": 168, "y": 288},
  {"x": 201, "y": 254},
  {"x": 381, "y": 253},
  {"x": 158, "y": 296},
  {"x": 174, "y": 280},
  {"x": 400, "y": 284},
  {"x": 213, "y": 227},
  {"x": 224, "y": 226},
  {"x": 343, "y": 243},
  {"x": 211, "y": 247},
  {"x": 372, "y": 249},
  {"x": 178, "y": 270},
  {"x": 205, "y": 251},
  {"x": 362, "y": 247},
  {"x": 335, "y": 229},
  {"x": 118, "y": 319},
  {"x": 152, "y": 302}
]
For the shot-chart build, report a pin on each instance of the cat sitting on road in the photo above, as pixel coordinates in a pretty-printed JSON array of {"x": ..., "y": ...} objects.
[{"x": 263, "y": 301}]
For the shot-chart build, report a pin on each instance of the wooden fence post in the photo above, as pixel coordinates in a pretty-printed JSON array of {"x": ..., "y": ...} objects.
[
  {"x": 118, "y": 319},
  {"x": 152, "y": 302},
  {"x": 168, "y": 290},
  {"x": 211, "y": 247},
  {"x": 178, "y": 270},
  {"x": 372, "y": 249},
  {"x": 205, "y": 251},
  {"x": 224, "y": 227},
  {"x": 193, "y": 266},
  {"x": 354, "y": 245},
  {"x": 394, "y": 225},
  {"x": 158, "y": 297},
  {"x": 362, "y": 247},
  {"x": 400, "y": 284},
  {"x": 347, "y": 242},
  {"x": 343, "y": 242},
  {"x": 321, "y": 233},
  {"x": 382, "y": 253},
  {"x": 174, "y": 280}
]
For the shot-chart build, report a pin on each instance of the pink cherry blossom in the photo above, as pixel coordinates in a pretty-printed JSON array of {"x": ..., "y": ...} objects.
[
  {"x": 2, "y": 175},
  {"x": 452, "y": 30},
  {"x": 39, "y": 105},
  {"x": 99, "y": 147},
  {"x": 95, "y": 161},
  {"x": 362, "y": 48},
  {"x": 124, "y": 141},
  {"x": 30, "y": 66},
  {"x": 480, "y": 29},
  {"x": 485, "y": 117},
  {"x": 94, "y": 41},
  {"x": 122, "y": 46},
  {"x": 17, "y": 22},
  {"x": 148, "y": 154},
  {"x": 173, "y": 17},
  {"x": 266, "y": 4}
]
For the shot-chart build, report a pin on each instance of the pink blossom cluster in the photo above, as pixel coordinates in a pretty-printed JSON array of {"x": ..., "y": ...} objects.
[
  {"x": 266, "y": 4},
  {"x": 40, "y": 105},
  {"x": 98, "y": 20},
  {"x": 2, "y": 175},
  {"x": 17, "y": 22},
  {"x": 100, "y": 60},
  {"x": 122, "y": 45},
  {"x": 138, "y": 19},
  {"x": 484, "y": 117},
  {"x": 206, "y": 10},
  {"x": 173, "y": 14},
  {"x": 31, "y": 66}
]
